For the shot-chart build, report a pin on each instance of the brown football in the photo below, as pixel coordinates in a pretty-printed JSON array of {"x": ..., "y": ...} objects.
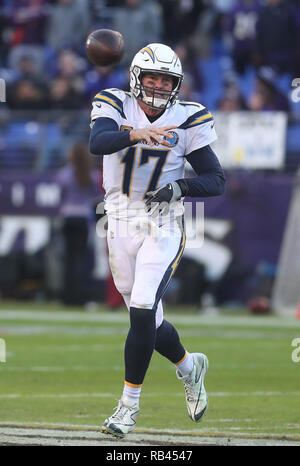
[{"x": 105, "y": 47}]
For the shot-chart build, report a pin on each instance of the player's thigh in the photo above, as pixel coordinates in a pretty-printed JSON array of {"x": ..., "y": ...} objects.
[
  {"x": 122, "y": 262},
  {"x": 156, "y": 262}
]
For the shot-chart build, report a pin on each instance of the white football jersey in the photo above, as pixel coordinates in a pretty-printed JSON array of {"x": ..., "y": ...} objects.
[{"x": 130, "y": 173}]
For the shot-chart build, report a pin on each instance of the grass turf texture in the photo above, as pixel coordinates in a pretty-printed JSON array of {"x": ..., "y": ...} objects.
[{"x": 66, "y": 367}]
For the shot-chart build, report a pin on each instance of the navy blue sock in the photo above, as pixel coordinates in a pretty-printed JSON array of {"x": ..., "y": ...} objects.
[
  {"x": 168, "y": 342},
  {"x": 139, "y": 344}
]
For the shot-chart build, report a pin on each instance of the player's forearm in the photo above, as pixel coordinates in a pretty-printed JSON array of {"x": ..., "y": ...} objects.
[
  {"x": 204, "y": 185},
  {"x": 105, "y": 137},
  {"x": 210, "y": 179}
]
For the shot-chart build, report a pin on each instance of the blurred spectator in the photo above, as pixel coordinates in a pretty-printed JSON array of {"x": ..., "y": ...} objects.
[
  {"x": 180, "y": 19},
  {"x": 240, "y": 23},
  {"x": 69, "y": 63},
  {"x": 25, "y": 30},
  {"x": 27, "y": 20},
  {"x": 189, "y": 61},
  {"x": 34, "y": 53},
  {"x": 266, "y": 95},
  {"x": 104, "y": 77},
  {"x": 223, "y": 6},
  {"x": 232, "y": 99},
  {"x": 71, "y": 66},
  {"x": 188, "y": 90},
  {"x": 277, "y": 36},
  {"x": 4, "y": 39},
  {"x": 28, "y": 89},
  {"x": 213, "y": 17},
  {"x": 26, "y": 94},
  {"x": 64, "y": 96},
  {"x": 68, "y": 25},
  {"x": 296, "y": 13},
  {"x": 102, "y": 12},
  {"x": 79, "y": 191},
  {"x": 27, "y": 68},
  {"x": 139, "y": 21}
]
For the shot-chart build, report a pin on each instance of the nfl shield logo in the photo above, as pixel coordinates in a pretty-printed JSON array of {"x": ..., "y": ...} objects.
[{"x": 172, "y": 139}]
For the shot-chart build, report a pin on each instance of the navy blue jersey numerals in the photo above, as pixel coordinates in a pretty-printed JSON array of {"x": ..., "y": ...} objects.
[{"x": 146, "y": 155}]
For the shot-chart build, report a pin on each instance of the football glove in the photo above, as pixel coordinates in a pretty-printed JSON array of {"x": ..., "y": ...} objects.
[{"x": 158, "y": 201}]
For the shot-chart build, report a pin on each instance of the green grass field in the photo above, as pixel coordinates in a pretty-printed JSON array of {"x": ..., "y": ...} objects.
[{"x": 65, "y": 366}]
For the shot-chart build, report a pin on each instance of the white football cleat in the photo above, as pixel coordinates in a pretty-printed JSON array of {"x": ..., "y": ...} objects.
[
  {"x": 122, "y": 421},
  {"x": 195, "y": 394}
]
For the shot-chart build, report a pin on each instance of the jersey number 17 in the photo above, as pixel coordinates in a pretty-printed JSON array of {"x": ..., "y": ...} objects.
[{"x": 146, "y": 154}]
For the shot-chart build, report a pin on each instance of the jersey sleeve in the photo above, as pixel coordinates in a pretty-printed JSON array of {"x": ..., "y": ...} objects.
[
  {"x": 108, "y": 104},
  {"x": 200, "y": 129}
]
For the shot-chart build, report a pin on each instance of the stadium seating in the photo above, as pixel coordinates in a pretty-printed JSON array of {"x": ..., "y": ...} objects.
[{"x": 211, "y": 70}]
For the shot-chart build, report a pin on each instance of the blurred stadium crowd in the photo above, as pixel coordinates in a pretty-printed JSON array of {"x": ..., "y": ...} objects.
[{"x": 237, "y": 55}]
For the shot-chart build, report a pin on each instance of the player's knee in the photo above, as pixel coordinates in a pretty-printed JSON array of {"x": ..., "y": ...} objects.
[
  {"x": 124, "y": 291},
  {"x": 157, "y": 312},
  {"x": 123, "y": 285},
  {"x": 140, "y": 316},
  {"x": 151, "y": 307},
  {"x": 141, "y": 305},
  {"x": 142, "y": 299}
]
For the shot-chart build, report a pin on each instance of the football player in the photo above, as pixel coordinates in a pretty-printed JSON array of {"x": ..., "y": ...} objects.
[{"x": 145, "y": 136}]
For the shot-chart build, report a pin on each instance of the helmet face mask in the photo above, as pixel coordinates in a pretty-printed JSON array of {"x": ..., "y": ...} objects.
[{"x": 156, "y": 59}]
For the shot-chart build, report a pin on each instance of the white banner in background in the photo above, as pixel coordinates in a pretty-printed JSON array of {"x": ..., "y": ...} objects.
[{"x": 254, "y": 140}]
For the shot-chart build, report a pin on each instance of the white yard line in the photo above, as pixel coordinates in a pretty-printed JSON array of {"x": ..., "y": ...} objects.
[
  {"x": 222, "y": 320},
  {"x": 33, "y": 329},
  {"x": 219, "y": 333}
]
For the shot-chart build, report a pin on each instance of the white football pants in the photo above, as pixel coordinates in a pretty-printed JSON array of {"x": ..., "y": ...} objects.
[{"x": 143, "y": 256}]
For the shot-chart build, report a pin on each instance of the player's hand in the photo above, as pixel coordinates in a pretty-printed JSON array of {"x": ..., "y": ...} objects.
[
  {"x": 158, "y": 201},
  {"x": 151, "y": 135}
]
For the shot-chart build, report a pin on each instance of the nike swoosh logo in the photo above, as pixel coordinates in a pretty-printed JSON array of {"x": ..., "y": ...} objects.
[
  {"x": 197, "y": 378},
  {"x": 212, "y": 126},
  {"x": 199, "y": 396},
  {"x": 98, "y": 105}
]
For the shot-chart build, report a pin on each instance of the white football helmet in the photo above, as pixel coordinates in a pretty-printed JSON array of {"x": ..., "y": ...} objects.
[{"x": 156, "y": 58}]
